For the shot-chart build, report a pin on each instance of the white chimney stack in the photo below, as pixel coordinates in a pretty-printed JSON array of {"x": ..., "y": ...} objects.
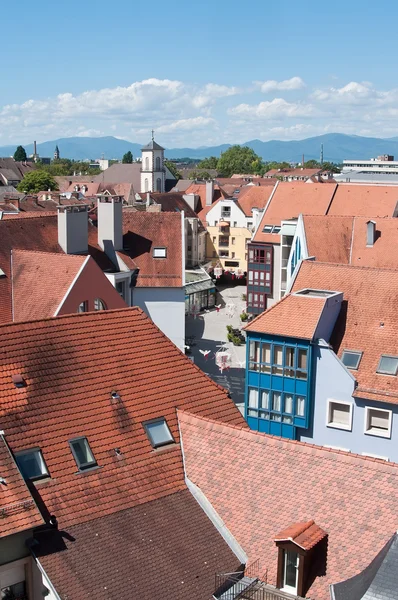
[
  {"x": 209, "y": 192},
  {"x": 370, "y": 233},
  {"x": 110, "y": 223},
  {"x": 73, "y": 229}
]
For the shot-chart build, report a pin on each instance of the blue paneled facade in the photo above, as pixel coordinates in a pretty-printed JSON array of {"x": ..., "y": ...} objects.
[{"x": 278, "y": 384}]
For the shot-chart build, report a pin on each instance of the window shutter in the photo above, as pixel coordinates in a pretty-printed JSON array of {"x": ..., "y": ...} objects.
[
  {"x": 378, "y": 419},
  {"x": 340, "y": 414}
]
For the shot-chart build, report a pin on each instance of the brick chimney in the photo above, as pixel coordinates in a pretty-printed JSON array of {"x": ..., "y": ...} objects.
[
  {"x": 110, "y": 223},
  {"x": 73, "y": 228}
]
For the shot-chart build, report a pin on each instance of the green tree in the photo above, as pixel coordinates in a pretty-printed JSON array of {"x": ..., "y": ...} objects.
[
  {"x": 127, "y": 158},
  {"x": 276, "y": 165},
  {"x": 209, "y": 163},
  {"x": 36, "y": 181},
  {"x": 194, "y": 175},
  {"x": 312, "y": 164},
  {"x": 173, "y": 169},
  {"x": 239, "y": 159},
  {"x": 20, "y": 154}
]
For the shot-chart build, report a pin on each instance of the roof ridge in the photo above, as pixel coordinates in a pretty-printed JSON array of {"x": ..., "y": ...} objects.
[
  {"x": 267, "y": 311},
  {"x": 58, "y": 254},
  {"x": 287, "y": 442},
  {"x": 346, "y": 266},
  {"x": 60, "y": 318}
]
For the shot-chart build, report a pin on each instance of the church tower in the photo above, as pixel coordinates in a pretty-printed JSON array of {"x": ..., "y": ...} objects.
[
  {"x": 56, "y": 153},
  {"x": 153, "y": 173}
]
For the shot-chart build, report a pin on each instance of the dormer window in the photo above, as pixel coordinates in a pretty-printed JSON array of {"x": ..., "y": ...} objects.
[
  {"x": 82, "y": 453},
  {"x": 301, "y": 554},
  {"x": 31, "y": 464},
  {"x": 158, "y": 432},
  {"x": 351, "y": 359},
  {"x": 160, "y": 252},
  {"x": 388, "y": 365}
]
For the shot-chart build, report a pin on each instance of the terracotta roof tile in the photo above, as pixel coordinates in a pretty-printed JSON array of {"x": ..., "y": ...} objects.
[
  {"x": 328, "y": 238},
  {"x": 291, "y": 199},
  {"x": 254, "y": 197},
  {"x": 364, "y": 200},
  {"x": 18, "y": 510},
  {"x": 293, "y": 316},
  {"x": 245, "y": 474},
  {"x": 71, "y": 364},
  {"x": 306, "y": 535},
  {"x": 368, "y": 322}
]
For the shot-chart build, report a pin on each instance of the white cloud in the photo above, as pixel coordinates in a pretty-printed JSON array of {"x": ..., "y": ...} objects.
[
  {"x": 295, "y": 83},
  {"x": 187, "y": 124},
  {"x": 276, "y": 109}
]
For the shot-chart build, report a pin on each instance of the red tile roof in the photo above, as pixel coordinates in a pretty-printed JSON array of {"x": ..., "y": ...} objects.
[
  {"x": 71, "y": 364},
  {"x": 364, "y": 200},
  {"x": 368, "y": 320},
  {"x": 291, "y": 199},
  {"x": 200, "y": 190},
  {"x": 246, "y": 474},
  {"x": 40, "y": 281},
  {"x": 293, "y": 316},
  {"x": 254, "y": 197},
  {"x": 18, "y": 510},
  {"x": 384, "y": 252},
  {"x": 306, "y": 535},
  {"x": 292, "y": 172},
  {"x": 329, "y": 238}
]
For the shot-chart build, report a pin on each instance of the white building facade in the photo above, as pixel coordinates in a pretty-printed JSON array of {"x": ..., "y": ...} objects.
[{"x": 153, "y": 172}]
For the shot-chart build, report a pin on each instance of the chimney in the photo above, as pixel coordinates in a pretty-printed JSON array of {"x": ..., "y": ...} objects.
[
  {"x": 148, "y": 199},
  {"x": 370, "y": 233},
  {"x": 110, "y": 224},
  {"x": 209, "y": 192},
  {"x": 34, "y": 148},
  {"x": 73, "y": 229}
]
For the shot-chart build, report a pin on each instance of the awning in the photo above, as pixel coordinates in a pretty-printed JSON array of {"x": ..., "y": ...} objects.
[{"x": 199, "y": 286}]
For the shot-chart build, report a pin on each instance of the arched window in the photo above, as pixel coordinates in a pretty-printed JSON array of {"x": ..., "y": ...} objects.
[
  {"x": 158, "y": 185},
  {"x": 99, "y": 304},
  {"x": 158, "y": 163},
  {"x": 146, "y": 185},
  {"x": 147, "y": 164}
]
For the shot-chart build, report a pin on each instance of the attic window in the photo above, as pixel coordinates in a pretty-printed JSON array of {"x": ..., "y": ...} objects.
[
  {"x": 271, "y": 228},
  {"x": 31, "y": 464},
  {"x": 159, "y": 252},
  {"x": 351, "y": 359},
  {"x": 388, "y": 365},
  {"x": 158, "y": 432},
  {"x": 82, "y": 453},
  {"x": 18, "y": 380}
]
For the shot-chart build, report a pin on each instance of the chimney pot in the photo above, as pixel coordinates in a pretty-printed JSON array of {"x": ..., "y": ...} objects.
[{"x": 73, "y": 228}]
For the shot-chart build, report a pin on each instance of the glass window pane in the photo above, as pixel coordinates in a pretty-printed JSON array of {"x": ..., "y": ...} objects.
[
  {"x": 266, "y": 357},
  {"x": 254, "y": 355},
  {"x": 253, "y": 398},
  {"x": 278, "y": 360},
  {"x": 83, "y": 455},
  {"x": 300, "y": 406},
  {"x": 351, "y": 359},
  {"x": 302, "y": 359},
  {"x": 340, "y": 414},
  {"x": 378, "y": 419},
  {"x": 265, "y": 399},
  {"x": 276, "y": 401},
  {"x": 289, "y": 359},
  {"x": 159, "y": 433},
  {"x": 32, "y": 464},
  {"x": 288, "y": 404},
  {"x": 388, "y": 365}
]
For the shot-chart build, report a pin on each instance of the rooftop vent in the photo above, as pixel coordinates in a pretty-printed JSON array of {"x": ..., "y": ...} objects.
[
  {"x": 18, "y": 380},
  {"x": 316, "y": 293},
  {"x": 115, "y": 397}
]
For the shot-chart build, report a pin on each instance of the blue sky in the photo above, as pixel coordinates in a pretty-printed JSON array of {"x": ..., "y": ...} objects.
[{"x": 199, "y": 73}]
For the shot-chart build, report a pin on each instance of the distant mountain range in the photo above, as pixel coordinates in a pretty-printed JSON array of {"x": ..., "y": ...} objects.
[{"x": 336, "y": 148}]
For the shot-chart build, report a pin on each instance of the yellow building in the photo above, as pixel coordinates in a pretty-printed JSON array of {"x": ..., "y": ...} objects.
[{"x": 226, "y": 245}]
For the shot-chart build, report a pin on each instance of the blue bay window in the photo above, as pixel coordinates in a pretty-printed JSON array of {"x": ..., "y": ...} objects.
[{"x": 277, "y": 382}]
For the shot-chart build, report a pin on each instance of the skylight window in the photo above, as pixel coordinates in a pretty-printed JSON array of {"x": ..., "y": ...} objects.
[
  {"x": 351, "y": 359},
  {"x": 31, "y": 464},
  {"x": 388, "y": 365},
  {"x": 82, "y": 453},
  {"x": 271, "y": 228},
  {"x": 158, "y": 432},
  {"x": 159, "y": 253}
]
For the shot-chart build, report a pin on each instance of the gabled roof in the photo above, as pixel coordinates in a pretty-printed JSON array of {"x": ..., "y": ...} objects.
[
  {"x": 173, "y": 202},
  {"x": 152, "y": 146},
  {"x": 71, "y": 364},
  {"x": 166, "y": 548},
  {"x": 18, "y": 510},
  {"x": 289, "y": 200},
  {"x": 364, "y": 200},
  {"x": 368, "y": 319},
  {"x": 199, "y": 189},
  {"x": 202, "y": 214},
  {"x": 40, "y": 281},
  {"x": 259, "y": 483},
  {"x": 293, "y": 316},
  {"x": 305, "y": 535},
  {"x": 329, "y": 238},
  {"x": 254, "y": 197},
  {"x": 384, "y": 252}
]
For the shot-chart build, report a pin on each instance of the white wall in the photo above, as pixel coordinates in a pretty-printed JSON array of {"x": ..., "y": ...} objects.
[
  {"x": 166, "y": 308},
  {"x": 237, "y": 215}
]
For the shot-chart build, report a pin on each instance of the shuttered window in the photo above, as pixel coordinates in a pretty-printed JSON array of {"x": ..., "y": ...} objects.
[
  {"x": 339, "y": 414},
  {"x": 378, "y": 422}
]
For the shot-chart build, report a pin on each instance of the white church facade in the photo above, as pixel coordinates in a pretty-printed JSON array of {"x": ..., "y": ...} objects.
[{"x": 153, "y": 171}]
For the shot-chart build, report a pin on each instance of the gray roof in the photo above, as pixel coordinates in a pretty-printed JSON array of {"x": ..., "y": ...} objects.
[
  {"x": 360, "y": 177},
  {"x": 152, "y": 146},
  {"x": 379, "y": 581},
  {"x": 122, "y": 173}
]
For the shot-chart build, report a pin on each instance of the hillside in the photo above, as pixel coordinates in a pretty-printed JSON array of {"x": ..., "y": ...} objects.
[{"x": 336, "y": 147}]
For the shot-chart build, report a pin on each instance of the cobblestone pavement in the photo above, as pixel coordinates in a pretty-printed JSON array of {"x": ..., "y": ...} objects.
[{"x": 209, "y": 332}]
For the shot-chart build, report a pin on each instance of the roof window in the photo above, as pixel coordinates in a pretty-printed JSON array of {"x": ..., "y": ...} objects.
[
  {"x": 82, "y": 453},
  {"x": 351, "y": 359},
  {"x": 388, "y": 365},
  {"x": 159, "y": 252},
  {"x": 271, "y": 228},
  {"x": 158, "y": 432},
  {"x": 31, "y": 464},
  {"x": 316, "y": 293}
]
